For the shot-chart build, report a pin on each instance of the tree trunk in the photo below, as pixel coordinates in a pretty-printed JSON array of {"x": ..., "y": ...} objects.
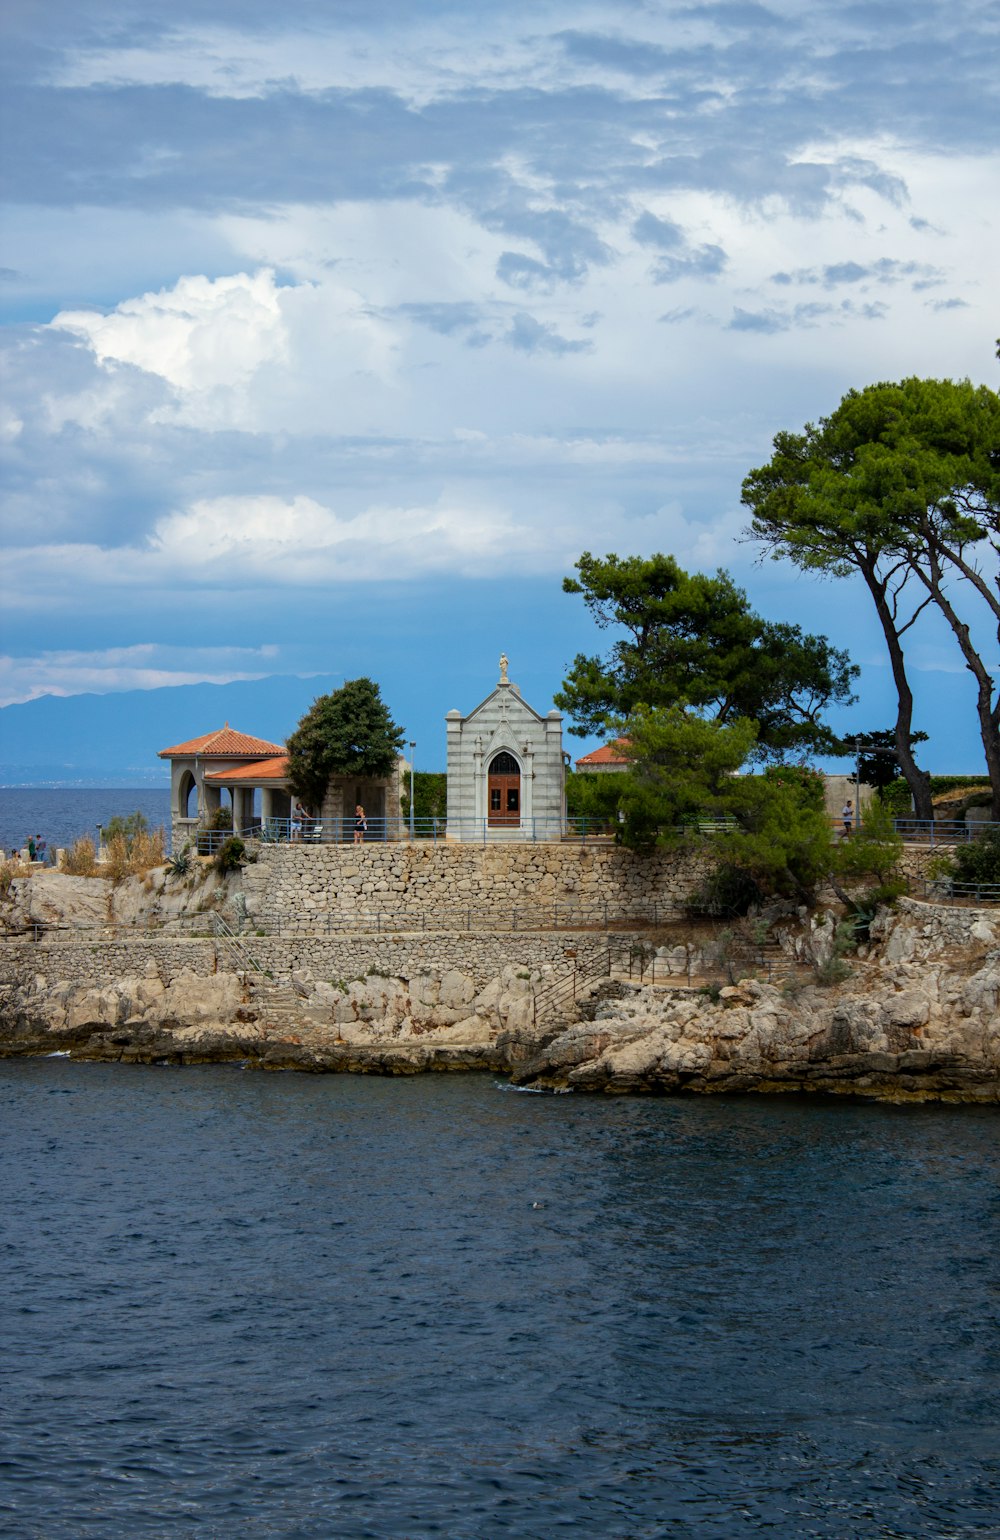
[
  {"x": 987, "y": 712},
  {"x": 916, "y": 779}
]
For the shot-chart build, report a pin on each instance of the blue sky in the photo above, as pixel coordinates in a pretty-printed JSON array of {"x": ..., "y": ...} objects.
[{"x": 333, "y": 334}]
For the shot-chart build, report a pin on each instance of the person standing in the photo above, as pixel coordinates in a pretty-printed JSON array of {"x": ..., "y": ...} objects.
[
  {"x": 360, "y": 825},
  {"x": 848, "y": 816},
  {"x": 31, "y": 847}
]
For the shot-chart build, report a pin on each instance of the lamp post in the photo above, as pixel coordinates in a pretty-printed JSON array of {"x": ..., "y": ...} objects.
[
  {"x": 872, "y": 749},
  {"x": 412, "y": 743}
]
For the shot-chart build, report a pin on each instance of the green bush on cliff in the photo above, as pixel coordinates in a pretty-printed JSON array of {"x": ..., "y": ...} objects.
[
  {"x": 979, "y": 861},
  {"x": 230, "y": 855}
]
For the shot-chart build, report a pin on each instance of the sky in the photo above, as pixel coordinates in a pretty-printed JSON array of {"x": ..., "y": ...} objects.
[{"x": 334, "y": 333}]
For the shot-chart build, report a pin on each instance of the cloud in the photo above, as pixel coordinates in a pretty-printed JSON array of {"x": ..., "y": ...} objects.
[
  {"x": 885, "y": 270},
  {"x": 530, "y": 336},
  {"x": 144, "y": 666},
  {"x": 198, "y": 335},
  {"x": 480, "y": 324},
  {"x": 681, "y": 259},
  {"x": 771, "y": 320},
  {"x": 232, "y": 352}
]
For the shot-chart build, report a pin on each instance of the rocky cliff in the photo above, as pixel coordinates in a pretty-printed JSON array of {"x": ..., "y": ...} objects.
[{"x": 917, "y": 1018}]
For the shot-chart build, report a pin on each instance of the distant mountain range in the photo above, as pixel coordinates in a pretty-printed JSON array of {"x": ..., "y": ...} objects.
[{"x": 112, "y": 740}]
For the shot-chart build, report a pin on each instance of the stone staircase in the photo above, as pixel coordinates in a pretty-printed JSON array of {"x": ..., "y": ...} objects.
[{"x": 278, "y": 1002}]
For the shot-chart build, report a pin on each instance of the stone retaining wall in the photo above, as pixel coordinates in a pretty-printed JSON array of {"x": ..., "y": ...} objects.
[
  {"x": 97, "y": 963},
  {"x": 295, "y": 887},
  {"x": 333, "y": 958}
]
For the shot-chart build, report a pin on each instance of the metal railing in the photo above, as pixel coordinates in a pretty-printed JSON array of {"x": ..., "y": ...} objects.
[
  {"x": 557, "y": 996},
  {"x": 379, "y": 831},
  {"x": 488, "y": 919},
  {"x": 235, "y": 948},
  {"x": 940, "y": 831},
  {"x": 946, "y": 890},
  {"x": 569, "y": 830}
]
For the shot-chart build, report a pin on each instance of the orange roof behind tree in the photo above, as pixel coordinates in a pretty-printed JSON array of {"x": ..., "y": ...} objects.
[
  {"x": 224, "y": 743},
  {"x": 261, "y": 770},
  {"x": 608, "y": 754}
]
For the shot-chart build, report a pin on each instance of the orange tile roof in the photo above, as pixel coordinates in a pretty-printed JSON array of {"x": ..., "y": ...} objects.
[
  {"x": 607, "y": 754},
  {"x": 224, "y": 743},
  {"x": 260, "y": 770}
]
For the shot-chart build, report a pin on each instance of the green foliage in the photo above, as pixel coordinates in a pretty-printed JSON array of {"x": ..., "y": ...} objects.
[
  {"x": 781, "y": 838},
  {"x": 127, "y": 829},
  {"x": 873, "y": 850},
  {"x": 728, "y": 891},
  {"x": 901, "y": 484},
  {"x": 222, "y": 818},
  {"x": 897, "y": 799},
  {"x": 769, "y": 832},
  {"x": 833, "y": 969},
  {"x": 349, "y": 732},
  {"x": 943, "y": 783},
  {"x": 230, "y": 855},
  {"x": 693, "y": 641},
  {"x": 979, "y": 861},
  {"x": 430, "y": 797},
  {"x": 682, "y": 769},
  {"x": 878, "y": 760},
  {"x": 179, "y": 863},
  {"x": 803, "y": 778}
]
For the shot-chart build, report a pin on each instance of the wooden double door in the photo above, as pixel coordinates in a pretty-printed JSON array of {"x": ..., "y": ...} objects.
[{"x": 503, "y": 790}]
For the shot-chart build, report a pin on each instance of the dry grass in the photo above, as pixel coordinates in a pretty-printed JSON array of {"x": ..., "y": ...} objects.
[
  {"x": 133, "y": 857},
  {"x": 81, "y": 860},
  {"x": 8, "y": 871}
]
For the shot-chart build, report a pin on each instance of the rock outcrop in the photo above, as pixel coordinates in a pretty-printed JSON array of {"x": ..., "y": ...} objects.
[{"x": 917, "y": 1018}]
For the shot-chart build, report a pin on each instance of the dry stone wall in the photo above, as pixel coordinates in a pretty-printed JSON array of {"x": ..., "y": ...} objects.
[
  {"x": 481, "y": 958},
  {"x": 95, "y": 963},
  {"x": 301, "y": 887}
]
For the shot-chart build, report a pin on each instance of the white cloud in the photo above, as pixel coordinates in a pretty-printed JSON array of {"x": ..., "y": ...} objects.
[
  {"x": 239, "y": 352},
  {"x": 270, "y": 542},
  {"x": 200, "y": 334},
  {"x": 145, "y": 666}
]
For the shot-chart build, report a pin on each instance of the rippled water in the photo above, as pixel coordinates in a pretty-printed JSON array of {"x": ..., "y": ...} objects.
[
  {"x": 253, "y": 1305},
  {"x": 63, "y": 814}
]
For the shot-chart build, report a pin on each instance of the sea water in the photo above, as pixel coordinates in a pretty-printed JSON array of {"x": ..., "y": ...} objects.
[
  {"x": 240, "y": 1304},
  {"x": 63, "y": 815}
]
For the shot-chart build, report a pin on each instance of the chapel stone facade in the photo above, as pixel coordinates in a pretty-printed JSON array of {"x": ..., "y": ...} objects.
[{"x": 506, "y": 770}]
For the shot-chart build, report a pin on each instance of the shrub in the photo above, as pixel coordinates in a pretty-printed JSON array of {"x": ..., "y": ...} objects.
[
  {"x": 979, "y": 861},
  {"x": 133, "y": 857},
  {"x": 230, "y": 855},
  {"x": 834, "y": 970},
  {"x": 897, "y": 799},
  {"x": 81, "y": 860},
  {"x": 179, "y": 863},
  {"x": 728, "y": 891},
  {"x": 129, "y": 829},
  {"x": 874, "y": 850}
]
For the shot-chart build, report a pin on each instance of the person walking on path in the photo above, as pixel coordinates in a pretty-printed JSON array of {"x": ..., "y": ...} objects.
[
  {"x": 848, "y": 816},
  {"x": 360, "y": 825}
]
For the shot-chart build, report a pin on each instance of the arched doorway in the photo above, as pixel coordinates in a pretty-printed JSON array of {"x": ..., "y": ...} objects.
[
  {"x": 185, "y": 789},
  {"x": 503, "y": 789}
]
